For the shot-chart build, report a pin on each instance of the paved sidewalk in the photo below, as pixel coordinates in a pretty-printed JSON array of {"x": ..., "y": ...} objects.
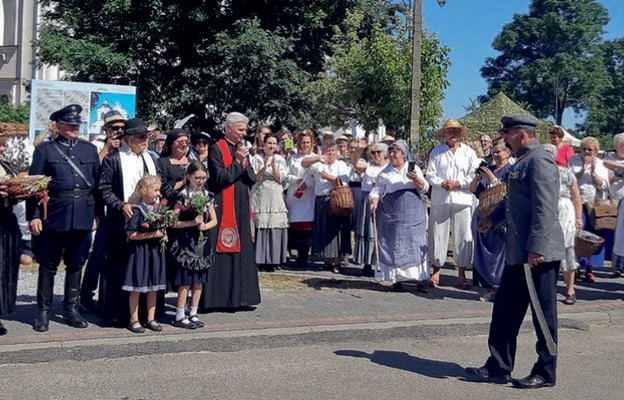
[{"x": 309, "y": 301}]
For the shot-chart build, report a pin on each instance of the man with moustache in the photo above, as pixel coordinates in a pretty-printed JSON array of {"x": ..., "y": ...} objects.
[
  {"x": 534, "y": 237},
  {"x": 65, "y": 234},
  {"x": 233, "y": 278},
  {"x": 122, "y": 169}
]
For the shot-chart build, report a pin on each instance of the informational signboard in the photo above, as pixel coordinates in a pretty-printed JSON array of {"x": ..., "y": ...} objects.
[{"x": 95, "y": 98}]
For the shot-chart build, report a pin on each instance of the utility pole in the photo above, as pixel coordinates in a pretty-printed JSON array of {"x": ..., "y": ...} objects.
[{"x": 416, "y": 75}]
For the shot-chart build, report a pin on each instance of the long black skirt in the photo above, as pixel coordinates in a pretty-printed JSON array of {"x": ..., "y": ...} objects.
[
  {"x": 9, "y": 259},
  {"x": 331, "y": 235}
]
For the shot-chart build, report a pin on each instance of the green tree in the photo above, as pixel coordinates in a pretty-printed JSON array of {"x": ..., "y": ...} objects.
[
  {"x": 548, "y": 57},
  {"x": 188, "y": 56},
  {"x": 605, "y": 114},
  {"x": 19, "y": 114},
  {"x": 370, "y": 78}
]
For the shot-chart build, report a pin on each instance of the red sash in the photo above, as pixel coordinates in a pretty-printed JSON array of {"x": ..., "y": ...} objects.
[{"x": 229, "y": 239}]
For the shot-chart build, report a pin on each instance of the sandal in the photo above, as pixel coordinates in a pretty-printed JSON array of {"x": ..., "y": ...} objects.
[
  {"x": 153, "y": 325},
  {"x": 135, "y": 327},
  {"x": 196, "y": 321},
  {"x": 570, "y": 299},
  {"x": 590, "y": 277},
  {"x": 184, "y": 323}
]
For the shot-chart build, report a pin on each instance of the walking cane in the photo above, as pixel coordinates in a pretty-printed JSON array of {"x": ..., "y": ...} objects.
[
  {"x": 377, "y": 268},
  {"x": 539, "y": 313}
]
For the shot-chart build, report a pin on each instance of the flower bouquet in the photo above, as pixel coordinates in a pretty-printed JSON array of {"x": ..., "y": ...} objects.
[
  {"x": 159, "y": 217},
  {"x": 196, "y": 202}
]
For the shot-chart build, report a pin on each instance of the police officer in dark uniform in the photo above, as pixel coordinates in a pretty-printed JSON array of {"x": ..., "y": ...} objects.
[
  {"x": 74, "y": 167},
  {"x": 534, "y": 237}
]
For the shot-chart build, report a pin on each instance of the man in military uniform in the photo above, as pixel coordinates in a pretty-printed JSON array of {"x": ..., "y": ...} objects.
[
  {"x": 74, "y": 166},
  {"x": 535, "y": 238}
]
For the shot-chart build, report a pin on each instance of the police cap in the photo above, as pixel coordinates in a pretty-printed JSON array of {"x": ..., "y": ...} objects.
[
  {"x": 517, "y": 121},
  {"x": 69, "y": 115}
]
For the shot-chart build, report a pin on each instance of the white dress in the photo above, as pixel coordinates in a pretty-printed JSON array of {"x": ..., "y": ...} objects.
[{"x": 300, "y": 209}]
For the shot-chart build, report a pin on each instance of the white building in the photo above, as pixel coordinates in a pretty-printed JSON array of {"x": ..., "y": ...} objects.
[{"x": 20, "y": 23}]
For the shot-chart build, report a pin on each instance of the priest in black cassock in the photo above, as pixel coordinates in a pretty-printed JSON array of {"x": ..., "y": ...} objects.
[{"x": 233, "y": 278}]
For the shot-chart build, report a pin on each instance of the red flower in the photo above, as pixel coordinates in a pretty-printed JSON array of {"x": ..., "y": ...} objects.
[
  {"x": 164, "y": 202},
  {"x": 181, "y": 207},
  {"x": 144, "y": 225}
]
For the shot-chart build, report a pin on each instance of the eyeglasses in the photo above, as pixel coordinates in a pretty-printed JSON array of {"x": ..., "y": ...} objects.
[
  {"x": 116, "y": 127},
  {"x": 202, "y": 142},
  {"x": 587, "y": 149},
  {"x": 394, "y": 151},
  {"x": 376, "y": 152}
]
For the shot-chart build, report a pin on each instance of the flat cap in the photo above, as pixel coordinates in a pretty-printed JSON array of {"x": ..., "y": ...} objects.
[
  {"x": 113, "y": 116},
  {"x": 517, "y": 121},
  {"x": 69, "y": 115}
]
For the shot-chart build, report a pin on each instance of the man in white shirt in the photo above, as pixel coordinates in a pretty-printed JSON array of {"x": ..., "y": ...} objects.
[{"x": 450, "y": 170}]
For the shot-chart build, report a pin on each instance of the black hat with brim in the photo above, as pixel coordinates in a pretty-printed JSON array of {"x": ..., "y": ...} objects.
[
  {"x": 69, "y": 115},
  {"x": 135, "y": 126}
]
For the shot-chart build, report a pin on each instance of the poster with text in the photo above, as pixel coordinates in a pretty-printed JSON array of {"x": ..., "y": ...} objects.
[{"x": 96, "y": 100}]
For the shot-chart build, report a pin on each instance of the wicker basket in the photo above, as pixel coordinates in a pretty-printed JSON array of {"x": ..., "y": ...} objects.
[
  {"x": 341, "y": 201},
  {"x": 586, "y": 244},
  {"x": 490, "y": 198}
]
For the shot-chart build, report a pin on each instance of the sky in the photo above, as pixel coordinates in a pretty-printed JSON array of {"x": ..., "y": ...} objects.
[{"x": 468, "y": 28}]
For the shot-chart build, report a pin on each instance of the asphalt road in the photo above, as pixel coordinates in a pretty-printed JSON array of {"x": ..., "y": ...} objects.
[{"x": 396, "y": 363}]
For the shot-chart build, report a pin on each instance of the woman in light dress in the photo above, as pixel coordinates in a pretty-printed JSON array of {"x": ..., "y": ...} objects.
[
  {"x": 300, "y": 199},
  {"x": 364, "y": 238},
  {"x": 401, "y": 220},
  {"x": 269, "y": 208}
]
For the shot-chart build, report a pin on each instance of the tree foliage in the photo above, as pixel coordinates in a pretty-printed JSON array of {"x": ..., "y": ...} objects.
[
  {"x": 204, "y": 57},
  {"x": 548, "y": 57},
  {"x": 370, "y": 78},
  {"x": 605, "y": 114},
  {"x": 19, "y": 114}
]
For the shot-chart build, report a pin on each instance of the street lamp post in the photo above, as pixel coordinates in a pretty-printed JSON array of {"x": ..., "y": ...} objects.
[{"x": 416, "y": 73}]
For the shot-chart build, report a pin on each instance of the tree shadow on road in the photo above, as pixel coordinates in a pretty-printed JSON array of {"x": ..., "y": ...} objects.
[{"x": 401, "y": 360}]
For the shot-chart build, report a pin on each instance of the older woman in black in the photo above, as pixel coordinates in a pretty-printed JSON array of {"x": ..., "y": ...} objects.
[{"x": 9, "y": 244}]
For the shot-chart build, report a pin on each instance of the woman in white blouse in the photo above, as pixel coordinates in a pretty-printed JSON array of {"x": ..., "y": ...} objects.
[
  {"x": 593, "y": 181},
  {"x": 401, "y": 220},
  {"x": 270, "y": 212},
  {"x": 300, "y": 199},
  {"x": 364, "y": 239},
  {"x": 331, "y": 235}
]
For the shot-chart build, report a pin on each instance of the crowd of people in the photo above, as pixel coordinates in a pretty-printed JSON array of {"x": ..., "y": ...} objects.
[{"x": 240, "y": 207}]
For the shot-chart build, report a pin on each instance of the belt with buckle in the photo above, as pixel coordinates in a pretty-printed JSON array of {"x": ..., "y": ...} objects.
[{"x": 71, "y": 194}]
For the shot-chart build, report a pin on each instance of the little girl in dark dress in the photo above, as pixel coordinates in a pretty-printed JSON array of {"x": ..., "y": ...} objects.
[
  {"x": 145, "y": 271},
  {"x": 191, "y": 254}
]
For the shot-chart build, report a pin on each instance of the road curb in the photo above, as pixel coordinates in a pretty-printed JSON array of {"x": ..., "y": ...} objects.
[{"x": 583, "y": 321}]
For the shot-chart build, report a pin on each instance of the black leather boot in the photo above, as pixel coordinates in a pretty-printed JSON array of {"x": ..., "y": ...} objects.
[
  {"x": 45, "y": 292},
  {"x": 71, "y": 316},
  {"x": 3, "y": 330}
]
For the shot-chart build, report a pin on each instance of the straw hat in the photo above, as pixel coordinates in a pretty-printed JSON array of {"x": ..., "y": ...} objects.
[{"x": 452, "y": 123}]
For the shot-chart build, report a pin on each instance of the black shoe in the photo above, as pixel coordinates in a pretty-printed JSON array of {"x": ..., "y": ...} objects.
[
  {"x": 245, "y": 308},
  {"x": 3, "y": 330},
  {"x": 153, "y": 325},
  {"x": 337, "y": 269},
  {"x": 483, "y": 375},
  {"x": 42, "y": 322},
  {"x": 532, "y": 382},
  {"x": 135, "y": 327},
  {"x": 198, "y": 322},
  {"x": 367, "y": 271},
  {"x": 73, "y": 319},
  {"x": 88, "y": 304},
  {"x": 184, "y": 323}
]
